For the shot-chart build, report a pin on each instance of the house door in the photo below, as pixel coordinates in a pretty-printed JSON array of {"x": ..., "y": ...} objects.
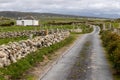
[{"x": 23, "y": 23}]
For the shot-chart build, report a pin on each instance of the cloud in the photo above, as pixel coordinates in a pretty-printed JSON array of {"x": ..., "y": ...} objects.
[
  {"x": 6, "y": 1},
  {"x": 77, "y": 7}
]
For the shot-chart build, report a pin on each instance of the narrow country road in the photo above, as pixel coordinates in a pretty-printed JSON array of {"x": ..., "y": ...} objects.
[{"x": 85, "y": 60}]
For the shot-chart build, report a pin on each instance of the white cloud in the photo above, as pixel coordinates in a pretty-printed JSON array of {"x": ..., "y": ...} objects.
[
  {"x": 63, "y": 6},
  {"x": 6, "y": 1}
]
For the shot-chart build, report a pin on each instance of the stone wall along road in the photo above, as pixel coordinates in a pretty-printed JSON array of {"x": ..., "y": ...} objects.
[{"x": 14, "y": 51}]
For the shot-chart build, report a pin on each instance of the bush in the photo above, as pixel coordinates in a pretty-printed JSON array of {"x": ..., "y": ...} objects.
[
  {"x": 7, "y": 23},
  {"x": 112, "y": 43}
]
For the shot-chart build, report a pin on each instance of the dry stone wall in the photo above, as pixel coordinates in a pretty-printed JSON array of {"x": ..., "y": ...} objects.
[
  {"x": 22, "y": 33},
  {"x": 14, "y": 51},
  {"x": 116, "y": 30}
]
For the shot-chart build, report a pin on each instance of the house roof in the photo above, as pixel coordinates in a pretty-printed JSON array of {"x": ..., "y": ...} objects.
[{"x": 27, "y": 18}]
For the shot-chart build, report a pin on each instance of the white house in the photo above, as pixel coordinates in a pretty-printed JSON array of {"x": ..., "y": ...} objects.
[{"x": 27, "y": 21}]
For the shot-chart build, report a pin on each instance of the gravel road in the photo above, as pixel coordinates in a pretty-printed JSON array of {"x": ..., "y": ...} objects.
[{"x": 85, "y": 60}]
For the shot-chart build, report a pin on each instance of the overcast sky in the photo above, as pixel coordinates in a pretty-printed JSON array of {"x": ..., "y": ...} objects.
[{"x": 102, "y": 8}]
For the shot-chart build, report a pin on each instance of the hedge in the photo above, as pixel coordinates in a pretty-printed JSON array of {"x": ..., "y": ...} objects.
[{"x": 111, "y": 41}]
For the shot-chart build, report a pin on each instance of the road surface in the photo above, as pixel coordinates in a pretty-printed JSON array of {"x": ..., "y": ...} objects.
[{"x": 85, "y": 60}]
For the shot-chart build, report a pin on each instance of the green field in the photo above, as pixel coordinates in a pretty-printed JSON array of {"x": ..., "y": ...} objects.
[
  {"x": 17, "y": 28},
  {"x": 14, "y": 39},
  {"x": 22, "y": 28}
]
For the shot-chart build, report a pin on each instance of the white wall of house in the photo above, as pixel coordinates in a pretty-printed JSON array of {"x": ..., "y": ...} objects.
[
  {"x": 18, "y": 22},
  {"x": 27, "y": 22},
  {"x": 36, "y": 22}
]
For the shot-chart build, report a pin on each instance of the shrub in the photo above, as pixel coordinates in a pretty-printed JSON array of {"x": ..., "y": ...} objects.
[{"x": 112, "y": 43}]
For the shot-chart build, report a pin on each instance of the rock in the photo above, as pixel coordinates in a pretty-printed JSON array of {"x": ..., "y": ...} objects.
[
  {"x": 38, "y": 45},
  {"x": 12, "y": 59},
  {"x": 1, "y": 65},
  {"x": 7, "y": 62},
  {"x": 24, "y": 45},
  {"x": 2, "y": 54},
  {"x": 4, "y": 61}
]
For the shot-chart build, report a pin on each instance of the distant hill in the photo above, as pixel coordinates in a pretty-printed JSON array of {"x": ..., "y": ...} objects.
[{"x": 14, "y": 14}]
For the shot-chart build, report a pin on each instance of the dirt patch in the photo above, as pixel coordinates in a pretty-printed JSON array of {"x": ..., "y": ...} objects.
[{"x": 40, "y": 68}]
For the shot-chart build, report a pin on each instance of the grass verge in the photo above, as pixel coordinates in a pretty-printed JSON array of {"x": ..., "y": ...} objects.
[
  {"x": 15, "y": 70},
  {"x": 13, "y": 39}
]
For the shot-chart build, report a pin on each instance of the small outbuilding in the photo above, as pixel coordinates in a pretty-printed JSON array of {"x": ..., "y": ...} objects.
[{"x": 27, "y": 21}]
